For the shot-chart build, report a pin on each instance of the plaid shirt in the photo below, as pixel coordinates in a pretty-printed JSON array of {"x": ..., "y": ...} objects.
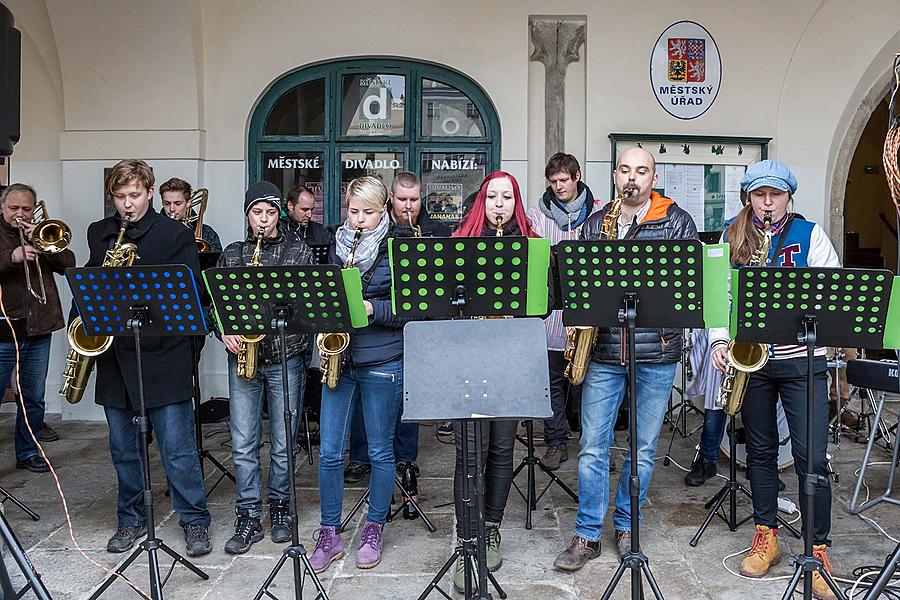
[{"x": 282, "y": 250}]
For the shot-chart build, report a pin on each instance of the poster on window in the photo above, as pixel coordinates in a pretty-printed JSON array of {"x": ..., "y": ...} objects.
[
  {"x": 374, "y": 105},
  {"x": 444, "y": 201}
]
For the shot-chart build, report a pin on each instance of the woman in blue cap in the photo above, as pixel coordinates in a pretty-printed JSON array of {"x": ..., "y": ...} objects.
[{"x": 795, "y": 242}]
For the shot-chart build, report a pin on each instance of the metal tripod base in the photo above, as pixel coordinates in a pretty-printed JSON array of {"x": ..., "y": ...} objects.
[
  {"x": 471, "y": 561},
  {"x": 150, "y": 546},
  {"x": 639, "y": 565},
  {"x": 530, "y": 462},
  {"x": 805, "y": 566},
  {"x": 6, "y": 495},
  {"x": 223, "y": 470},
  {"x": 407, "y": 499},
  {"x": 302, "y": 569},
  {"x": 886, "y": 496}
]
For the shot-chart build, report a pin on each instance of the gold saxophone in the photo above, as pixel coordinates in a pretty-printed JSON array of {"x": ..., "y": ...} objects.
[
  {"x": 248, "y": 345},
  {"x": 85, "y": 348},
  {"x": 415, "y": 226},
  {"x": 332, "y": 345},
  {"x": 580, "y": 340},
  {"x": 745, "y": 358}
]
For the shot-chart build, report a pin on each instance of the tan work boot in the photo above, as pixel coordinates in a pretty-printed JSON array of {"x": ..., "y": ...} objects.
[
  {"x": 820, "y": 588},
  {"x": 764, "y": 552}
]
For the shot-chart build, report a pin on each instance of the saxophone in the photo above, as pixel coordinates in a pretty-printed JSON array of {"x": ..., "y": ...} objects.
[
  {"x": 580, "y": 340},
  {"x": 84, "y": 348},
  {"x": 745, "y": 358},
  {"x": 332, "y": 345},
  {"x": 248, "y": 345},
  {"x": 415, "y": 226}
]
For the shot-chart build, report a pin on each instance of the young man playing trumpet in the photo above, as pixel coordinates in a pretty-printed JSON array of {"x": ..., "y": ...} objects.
[
  {"x": 21, "y": 288},
  {"x": 265, "y": 245}
]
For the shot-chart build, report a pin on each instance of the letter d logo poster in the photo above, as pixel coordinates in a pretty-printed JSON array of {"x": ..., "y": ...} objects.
[{"x": 685, "y": 70}]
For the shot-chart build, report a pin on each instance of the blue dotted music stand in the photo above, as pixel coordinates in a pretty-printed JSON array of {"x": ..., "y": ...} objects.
[
  {"x": 155, "y": 300},
  {"x": 106, "y": 298}
]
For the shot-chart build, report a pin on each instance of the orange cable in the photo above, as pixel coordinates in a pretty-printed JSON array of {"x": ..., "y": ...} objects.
[{"x": 20, "y": 397}]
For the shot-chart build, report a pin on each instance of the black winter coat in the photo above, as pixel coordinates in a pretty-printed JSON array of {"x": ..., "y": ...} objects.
[
  {"x": 664, "y": 221},
  {"x": 166, "y": 361},
  {"x": 382, "y": 339}
]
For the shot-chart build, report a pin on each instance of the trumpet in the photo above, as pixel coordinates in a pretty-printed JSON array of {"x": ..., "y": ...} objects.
[
  {"x": 193, "y": 217},
  {"x": 332, "y": 345},
  {"x": 85, "y": 348},
  {"x": 49, "y": 236},
  {"x": 248, "y": 346}
]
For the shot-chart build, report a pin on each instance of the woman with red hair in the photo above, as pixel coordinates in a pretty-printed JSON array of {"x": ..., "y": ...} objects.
[
  {"x": 498, "y": 203},
  {"x": 498, "y": 196}
]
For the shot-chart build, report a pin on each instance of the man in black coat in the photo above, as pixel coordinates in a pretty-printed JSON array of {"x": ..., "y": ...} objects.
[
  {"x": 166, "y": 365},
  {"x": 301, "y": 203}
]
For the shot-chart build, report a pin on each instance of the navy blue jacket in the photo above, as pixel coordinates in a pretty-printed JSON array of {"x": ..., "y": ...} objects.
[{"x": 382, "y": 339}]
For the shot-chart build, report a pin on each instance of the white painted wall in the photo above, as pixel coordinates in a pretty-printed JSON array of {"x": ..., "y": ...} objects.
[{"x": 175, "y": 82}]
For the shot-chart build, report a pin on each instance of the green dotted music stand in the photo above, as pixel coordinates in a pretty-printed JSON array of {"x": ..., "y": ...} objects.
[
  {"x": 681, "y": 283},
  {"x": 324, "y": 298},
  {"x": 484, "y": 276},
  {"x": 851, "y": 306}
]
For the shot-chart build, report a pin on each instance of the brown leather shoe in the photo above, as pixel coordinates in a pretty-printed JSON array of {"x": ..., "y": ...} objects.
[
  {"x": 623, "y": 542},
  {"x": 577, "y": 554},
  {"x": 821, "y": 591},
  {"x": 764, "y": 552}
]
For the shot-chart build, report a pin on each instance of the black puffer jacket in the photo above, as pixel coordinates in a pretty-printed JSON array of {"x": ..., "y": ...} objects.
[
  {"x": 664, "y": 221},
  {"x": 382, "y": 339}
]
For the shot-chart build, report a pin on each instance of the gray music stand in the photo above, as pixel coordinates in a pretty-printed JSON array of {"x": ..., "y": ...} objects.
[{"x": 472, "y": 371}]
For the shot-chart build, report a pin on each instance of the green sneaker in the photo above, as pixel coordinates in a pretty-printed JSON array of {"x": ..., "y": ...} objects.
[
  {"x": 492, "y": 546},
  {"x": 459, "y": 578}
]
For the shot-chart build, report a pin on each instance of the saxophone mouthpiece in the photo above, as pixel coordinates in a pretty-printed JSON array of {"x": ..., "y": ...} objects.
[{"x": 261, "y": 231}]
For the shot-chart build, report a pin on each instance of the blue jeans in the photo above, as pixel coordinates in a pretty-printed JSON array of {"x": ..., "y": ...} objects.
[
  {"x": 406, "y": 439},
  {"x": 379, "y": 390},
  {"x": 603, "y": 390},
  {"x": 245, "y": 421},
  {"x": 173, "y": 428},
  {"x": 711, "y": 436},
  {"x": 34, "y": 355}
]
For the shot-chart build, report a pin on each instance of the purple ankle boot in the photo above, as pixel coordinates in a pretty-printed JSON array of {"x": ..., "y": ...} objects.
[
  {"x": 370, "y": 545},
  {"x": 329, "y": 548}
]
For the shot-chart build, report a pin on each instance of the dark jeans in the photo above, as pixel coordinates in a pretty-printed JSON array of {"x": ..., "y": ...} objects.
[
  {"x": 787, "y": 379},
  {"x": 406, "y": 439},
  {"x": 556, "y": 429},
  {"x": 173, "y": 428},
  {"x": 34, "y": 355},
  {"x": 497, "y": 441},
  {"x": 711, "y": 436}
]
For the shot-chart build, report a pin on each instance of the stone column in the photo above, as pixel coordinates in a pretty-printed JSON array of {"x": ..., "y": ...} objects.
[{"x": 556, "y": 43}]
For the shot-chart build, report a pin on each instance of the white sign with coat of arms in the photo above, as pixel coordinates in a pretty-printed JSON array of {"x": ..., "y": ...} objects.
[{"x": 686, "y": 70}]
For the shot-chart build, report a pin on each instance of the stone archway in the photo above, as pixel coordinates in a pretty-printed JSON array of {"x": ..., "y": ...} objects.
[{"x": 858, "y": 119}]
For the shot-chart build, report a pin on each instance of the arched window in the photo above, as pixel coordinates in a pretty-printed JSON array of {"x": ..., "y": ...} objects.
[{"x": 326, "y": 124}]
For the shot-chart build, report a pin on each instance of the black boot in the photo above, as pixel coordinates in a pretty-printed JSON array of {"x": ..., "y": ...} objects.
[
  {"x": 701, "y": 471},
  {"x": 409, "y": 476}
]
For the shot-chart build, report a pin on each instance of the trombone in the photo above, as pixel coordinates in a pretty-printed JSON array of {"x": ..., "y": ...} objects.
[
  {"x": 49, "y": 236},
  {"x": 193, "y": 217}
]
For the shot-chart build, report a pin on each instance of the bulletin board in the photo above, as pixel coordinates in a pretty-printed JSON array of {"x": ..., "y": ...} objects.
[{"x": 701, "y": 173}]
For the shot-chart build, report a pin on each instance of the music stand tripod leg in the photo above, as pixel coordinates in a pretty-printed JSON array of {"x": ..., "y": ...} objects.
[
  {"x": 6, "y": 495},
  {"x": 35, "y": 584},
  {"x": 634, "y": 559},
  {"x": 408, "y": 499},
  {"x": 296, "y": 552}
]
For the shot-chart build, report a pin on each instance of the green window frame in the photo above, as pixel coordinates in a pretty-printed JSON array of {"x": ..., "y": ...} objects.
[{"x": 412, "y": 144}]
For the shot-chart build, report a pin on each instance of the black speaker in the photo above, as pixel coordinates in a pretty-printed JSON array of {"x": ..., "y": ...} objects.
[{"x": 10, "y": 81}]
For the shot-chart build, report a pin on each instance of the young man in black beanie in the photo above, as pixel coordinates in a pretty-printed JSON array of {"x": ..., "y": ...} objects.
[{"x": 262, "y": 205}]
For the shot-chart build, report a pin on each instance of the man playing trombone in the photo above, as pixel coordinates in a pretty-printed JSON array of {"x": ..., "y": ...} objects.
[
  {"x": 176, "y": 203},
  {"x": 29, "y": 292}
]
